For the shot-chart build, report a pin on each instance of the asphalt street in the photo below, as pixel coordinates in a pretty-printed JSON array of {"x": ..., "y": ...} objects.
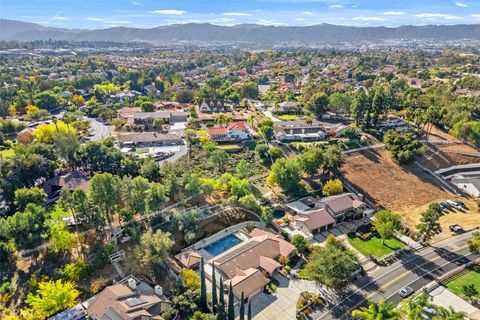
[{"x": 415, "y": 269}]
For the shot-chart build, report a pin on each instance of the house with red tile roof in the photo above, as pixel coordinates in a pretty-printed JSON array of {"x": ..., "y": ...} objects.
[{"x": 234, "y": 132}]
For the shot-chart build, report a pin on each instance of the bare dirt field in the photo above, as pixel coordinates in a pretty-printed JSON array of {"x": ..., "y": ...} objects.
[
  {"x": 407, "y": 190},
  {"x": 443, "y": 150}
]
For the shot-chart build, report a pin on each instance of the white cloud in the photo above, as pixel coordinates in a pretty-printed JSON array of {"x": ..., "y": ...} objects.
[
  {"x": 60, "y": 18},
  {"x": 236, "y": 14},
  {"x": 221, "y": 20},
  {"x": 94, "y": 19},
  {"x": 138, "y": 4},
  {"x": 369, "y": 19},
  {"x": 394, "y": 13},
  {"x": 267, "y": 22},
  {"x": 170, "y": 12},
  {"x": 477, "y": 16},
  {"x": 459, "y": 4},
  {"x": 336, "y": 6},
  {"x": 300, "y": 19},
  {"x": 307, "y": 13},
  {"x": 437, "y": 15},
  {"x": 111, "y": 22}
]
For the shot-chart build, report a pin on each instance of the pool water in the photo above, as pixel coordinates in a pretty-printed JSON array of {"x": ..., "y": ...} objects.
[
  {"x": 278, "y": 214},
  {"x": 222, "y": 245}
]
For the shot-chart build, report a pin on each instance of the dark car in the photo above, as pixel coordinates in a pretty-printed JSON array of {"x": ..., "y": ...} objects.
[{"x": 455, "y": 228}]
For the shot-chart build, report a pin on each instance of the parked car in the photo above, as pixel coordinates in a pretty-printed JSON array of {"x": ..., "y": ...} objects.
[
  {"x": 405, "y": 291},
  {"x": 428, "y": 313},
  {"x": 444, "y": 206},
  {"x": 460, "y": 203},
  {"x": 455, "y": 228},
  {"x": 454, "y": 204}
]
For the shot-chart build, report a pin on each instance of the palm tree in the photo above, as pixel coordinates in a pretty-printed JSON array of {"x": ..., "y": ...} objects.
[
  {"x": 221, "y": 119},
  {"x": 449, "y": 314},
  {"x": 251, "y": 119},
  {"x": 377, "y": 311},
  {"x": 412, "y": 308}
]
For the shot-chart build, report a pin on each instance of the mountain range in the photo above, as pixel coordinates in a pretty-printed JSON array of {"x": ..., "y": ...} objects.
[{"x": 247, "y": 33}]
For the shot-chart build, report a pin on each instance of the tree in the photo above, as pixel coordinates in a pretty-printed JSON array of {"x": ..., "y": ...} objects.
[
  {"x": 300, "y": 243},
  {"x": 359, "y": 106},
  {"x": 243, "y": 169},
  {"x": 214, "y": 289},
  {"x": 377, "y": 311},
  {"x": 24, "y": 196},
  {"x": 265, "y": 128},
  {"x": 60, "y": 237},
  {"x": 429, "y": 225},
  {"x": 203, "y": 316},
  {"x": 403, "y": 146},
  {"x": 412, "y": 308},
  {"x": 104, "y": 194},
  {"x": 203, "y": 287},
  {"x": 285, "y": 173},
  {"x": 339, "y": 103},
  {"x": 66, "y": 144},
  {"x": 156, "y": 196},
  {"x": 474, "y": 243},
  {"x": 333, "y": 187},
  {"x": 449, "y": 314},
  {"x": 311, "y": 160},
  {"x": 47, "y": 132},
  {"x": 150, "y": 170},
  {"x": 332, "y": 265},
  {"x": 47, "y": 100},
  {"x": 78, "y": 100},
  {"x": 242, "y": 307},
  {"x": 318, "y": 104},
  {"x": 332, "y": 160},
  {"x": 249, "y": 312},
  {"x": 249, "y": 90},
  {"x": 52, "y": 297},
  {"x": 230, "y": 308},
  {"x": 219, "y": 159},
  {"x": 147, "y": 106},
  {"x": 469, "y": 291},
  {"x": 24, "y": 228},
  {"x": 190, "y": 279},
  {"x": 386, "y": 223},
  {"x": 152, "y": 252}
]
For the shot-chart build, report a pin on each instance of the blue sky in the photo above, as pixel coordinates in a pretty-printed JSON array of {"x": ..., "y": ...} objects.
[{"x": 93, "y": 14}]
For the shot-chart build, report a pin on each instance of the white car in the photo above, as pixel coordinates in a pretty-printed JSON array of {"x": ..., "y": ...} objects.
[{"x": 405, "y": 292}]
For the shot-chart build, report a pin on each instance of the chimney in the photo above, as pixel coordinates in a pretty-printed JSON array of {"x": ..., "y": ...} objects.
[
  {"x": 132, "y": 284},
  {"x": 158, "y": 290}
]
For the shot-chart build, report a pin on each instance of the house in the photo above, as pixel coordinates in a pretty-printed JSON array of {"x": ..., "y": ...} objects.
[
  {"x": 248, "y": 265},
  {"x": 147, "y": 118},
  {"x": 288, "y": 107},
  {"x": 394, "y": 123},
  {"x": 148, "y": 139},
  {"x": 310, "y": 215},
  {"x": 70, "y": 181},
  {"x": 235, "y": 131},
  {"x": 300, "y": 131},
  {"x": 213, "y": 105},
  {"x": 129, "y": 299}
]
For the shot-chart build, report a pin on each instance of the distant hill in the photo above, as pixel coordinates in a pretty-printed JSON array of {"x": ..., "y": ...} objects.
[{"x": 249, "y": 33}]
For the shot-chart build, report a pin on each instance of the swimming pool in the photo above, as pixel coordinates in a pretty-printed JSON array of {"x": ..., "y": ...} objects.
[
  {"x": 222, "y": 245},
  {"x": 278, "y": 214}
]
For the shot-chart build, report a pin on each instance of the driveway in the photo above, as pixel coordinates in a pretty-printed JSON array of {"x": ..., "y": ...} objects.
[
  {"x": 99, "y": 130},
  {"x": 282, "y": 304}
]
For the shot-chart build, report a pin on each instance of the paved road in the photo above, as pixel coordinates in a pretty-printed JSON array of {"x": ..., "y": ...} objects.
[
  {"x": 415, "y": 270},
  {"x": 99, "y": 130}
]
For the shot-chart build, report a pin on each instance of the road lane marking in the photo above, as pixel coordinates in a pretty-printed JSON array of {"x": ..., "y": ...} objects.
[{"x": 404, "y": 274}]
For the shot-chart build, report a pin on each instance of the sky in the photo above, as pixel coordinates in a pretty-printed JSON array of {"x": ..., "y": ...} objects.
[{"x": 98, "y": 14}]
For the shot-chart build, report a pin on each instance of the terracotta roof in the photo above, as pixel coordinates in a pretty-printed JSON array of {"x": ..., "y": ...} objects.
[
  {"x": 268, "y": 264},
  {"x": 247, "y": 281},
  {"x": 217, "y": 131},
  {"x": 247, "y": 254},
  {"x": 188, "y": 259},
  {"x": 236, "y": 126}
]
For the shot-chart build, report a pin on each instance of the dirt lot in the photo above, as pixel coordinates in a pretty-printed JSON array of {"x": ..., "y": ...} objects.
[{"x": 445, "y": 151}]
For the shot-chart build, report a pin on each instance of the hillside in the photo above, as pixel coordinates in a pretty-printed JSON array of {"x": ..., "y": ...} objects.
[{"x": 249, "y": 33}]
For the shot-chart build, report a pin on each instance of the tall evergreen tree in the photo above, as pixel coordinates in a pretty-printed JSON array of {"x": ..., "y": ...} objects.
[
  {"x": 249, "y": 311},
  {"x": 242, "y": 307},
  {"x": 203, "y": 288},
  {"x": 230, "y": 309},
  {"x": 214, "y": 289},
  {"x": 221, "y": 305}
]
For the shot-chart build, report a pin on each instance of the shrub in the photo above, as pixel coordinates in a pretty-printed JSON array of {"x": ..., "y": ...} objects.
[
  {"x": 98, "y": 285},
  {"x": 76, "y": 271}
]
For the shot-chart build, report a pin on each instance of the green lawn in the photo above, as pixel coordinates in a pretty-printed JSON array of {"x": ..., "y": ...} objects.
[
  {"x": 8, "y": 153},
  {"x": 472, "y": 276},
  {"x": 287, "y": 117},
  {"x": 374, "y": 246}
]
